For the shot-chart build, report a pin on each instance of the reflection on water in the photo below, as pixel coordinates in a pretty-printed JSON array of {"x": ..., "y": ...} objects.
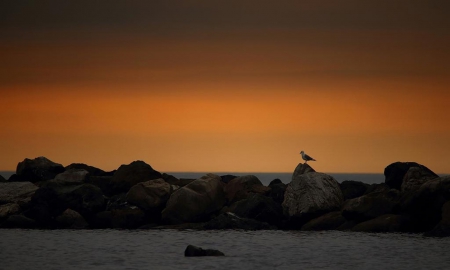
[{"x": 164, "y": 249}]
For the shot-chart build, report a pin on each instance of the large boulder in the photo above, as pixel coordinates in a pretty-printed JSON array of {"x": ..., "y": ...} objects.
[
  {"x": 150, "y": 196},
  {"x": 19, "y": 221},
  {"x": 72, "y": 177},
  {"x": 260, "y": 208},
  {"x": 195, "y": 201},
  {"x": 416, "y": 177},
  {"x": 230, "y": 221},
  {"x": 424, "y": 206},
  {"x": 442, "y": 229},
  {"x": 353, "y": 189},
  {"x": 71, "y": 219},
  {"x": 242, "y": 187},
  {"x": 329, "y": 221},
  {"x": 93, "y": 171},
  {"x": 384, "y": 223},
  {"x": 277, "y": 190},
  {"x": 371, "y": 205},
  {"x": 303, "y": 168},
  {"x": 17, "y": 192},
  {"x": 193, "y": 251},
  {"x": 310, "y": 195},
  {"x": 8, "y": 209},
  {"x": 175, "y": 181},
  {"x": 395, "y": 172},
  {"x": 125, "y": 218},
  {"x": 38, "y": 169},
  {"x": 104, "y": 182},
  {"x": 129, "y": 175}
]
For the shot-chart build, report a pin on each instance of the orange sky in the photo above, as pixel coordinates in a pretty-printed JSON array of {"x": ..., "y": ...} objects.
[{"x": 222, "y": 96}]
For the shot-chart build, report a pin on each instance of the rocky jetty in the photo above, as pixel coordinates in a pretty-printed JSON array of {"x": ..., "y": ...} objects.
[{"x": 43, "y": 194}]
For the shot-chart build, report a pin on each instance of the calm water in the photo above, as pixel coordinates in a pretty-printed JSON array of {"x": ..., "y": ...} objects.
[{"x": 164, "y": 249}]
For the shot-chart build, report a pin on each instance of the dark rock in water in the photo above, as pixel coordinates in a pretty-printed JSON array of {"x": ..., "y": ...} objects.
[
  {"x": 371, "y": 205},
  {"x": 227, "y": 178},
  {"x": 93, "y": 171},
  {"x": 129, "y": 175},
  {"x": 196, "y": 201},
  {"x": 384, "y": 223},
  {"x": 310, "y": 195},
  {"x": 242, "y": 187},
  {"x": 193, "y": 251},
  {"x": 260, "y": 208},
  {"x": 329, "y": 221},
  {"x": 303, "y": 168},
  {"x": 231, "y": 221},
  {"x": 348, "y": 225},
  {"x": 71, "y": 219},
  {"x": 38, "y": 169},
  {"x": 19, "y": 221},
  {"x": 382, "y": 187},
  {"x": 277, "y": 190},
  {"x": 8, "y": 209},
  {"x": 130, "y": 217},
  {"x": 150, "y": 196},
  {"x": 2, "y": 179},
  {"x": 72, "y": 177},
  {"x": 424, "y": 206},
  {"x": 442, "y": 229},
  {"x": 416, "y": 177},
  {"x": 17, "y": 192},
  {"x": 175, "y": 181},
  {"x": 395, "y": 172},
  {"x": 353, "y": 189}
]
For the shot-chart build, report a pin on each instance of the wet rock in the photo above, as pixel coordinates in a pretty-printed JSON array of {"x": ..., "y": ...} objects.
[
  {"x": 353, "y": 189},
  {"x": 8, "y": 209},
  {"x": 242, "y": 187},
  {"x": 38, "y": 169},
  {"x": 395, "y": 172},
  {"x": 150, "y": 196},
  {"x": 71, "y": 219},
  {"x": 16, "y": 192},
  {"x": 416, "y": 177},
  {"x": 384, "y": 223},
  {"x": 19, "y": 221},
  {"x": 193, "y": 251},
  {"x": 226, "y": 221},
  {"x": 329, "y": 221},
  {"x": 195, "y": 201},
  {"x": 129, "y": 175},
  {"x": 442, "y": 229},
  {"x": 310, "y": 195},
  {"x": 371, "y": 205},
  {"x": 260, "y": 208}
]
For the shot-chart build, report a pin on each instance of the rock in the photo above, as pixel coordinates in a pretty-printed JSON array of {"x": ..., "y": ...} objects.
[
  {"x": 227, "y": 221},
  {"x": 150, "y": 196},
  {"x": 118, "y": 201},
  {"x": 242, "y": 187},
  {"x": 175, "y": 181},
  {"x": 329, "y": 221},
  {"x": 353, "y": 189},
  {"x": 104, "y": 183},
  {"x": 20, "y": 222},
  {"x": 195, "y": 201},
  {"x": 416, "y": 177},
  {"x": 93, "y": 171},
  {"x": 17, "y": 192},
  {"x": 371, "y": 205},
  {"x": 424, "y": 206},
  {"x": 86, "y": 199},
  {"x": 130, "y": 217},
  {"x": 384, "y": 223},
  {"x": 310, "y": 195},
  {"x": 38, "y": 169},
  {"x": 8, "y": 209},
  {"x": 277, "y": 190},
  {"x": 71, "y": 219},
  {"x": 395, "y": 172},
  {"x": 72, "y": 177},
  {"x": 129, "y": 175},
  {"x": 382, "y": 187},
  {"x": 303, "y": 168},
  {"x": 442, "y": 229},
  {"x": 227, "y": 178},
  {"x": 2, "y": 179},
  {"x": 193, "y": 251},
  {"x": 260, "y": 208}
]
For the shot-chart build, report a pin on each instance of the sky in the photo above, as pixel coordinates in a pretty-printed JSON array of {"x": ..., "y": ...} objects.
[{"x": 226, "y": 86}]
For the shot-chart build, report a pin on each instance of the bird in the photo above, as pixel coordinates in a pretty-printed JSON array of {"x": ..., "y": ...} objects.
[{"x": 305, "y": 157}]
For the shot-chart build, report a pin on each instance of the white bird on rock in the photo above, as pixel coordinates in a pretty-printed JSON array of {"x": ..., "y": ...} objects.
[{"x": 306, "y": 158}]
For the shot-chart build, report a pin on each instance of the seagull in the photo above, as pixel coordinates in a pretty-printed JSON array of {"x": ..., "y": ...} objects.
[{"x": 305, "y": 157}]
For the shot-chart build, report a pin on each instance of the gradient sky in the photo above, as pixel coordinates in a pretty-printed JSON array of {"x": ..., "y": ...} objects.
[{"x": 238, "y": 86}]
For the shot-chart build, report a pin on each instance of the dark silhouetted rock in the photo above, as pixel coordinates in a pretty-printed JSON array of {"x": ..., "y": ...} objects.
[
  {"x": 310, "y": 195},
  {"x": 193, "y": 251},
  {"x": 395, "y": 172},
  {"x": 424, "y": 206},
  {"x": 104, "y": 183},
  {"x": 195, "y": 201},
  {"x": 8, "y": 209},
  {"x": 2, "y": 179},
  {"x": 130, "y": 217},
  {"x": 118, "y": 201},
  {"x": 227, "y": 178},
  {"x": 371, "y": 205},
  {"x": 175, "y": 181},
  {"x": 20, "y": 222},
  {"x": 93, "y": 171},
  {"x": 16, "y": 192},
  {"x": 258, "y": 207},
  {"x": 416, "y": 177},
  {"x": 442, "y": 229},
  {"x": 150, "y": 196},
  {"x": 129, "y": 175},
  {"x": 329, "y": 221},
  {"x": 303, "y": 168},
  {"x": 384, "y": 223},
  {"x": 275, "y": 182},
  {"x": 72, "y": 177},
  {"x": 353, "y": 189},
  {"x": 277, "y": 190},
  {"x": 38, "y": 169},
  {"x": 242, "y": 187},
  {"x": 226, "y": 221},
  {"x": 373, "y": 188},
  {"x": 71, "y": 219}
]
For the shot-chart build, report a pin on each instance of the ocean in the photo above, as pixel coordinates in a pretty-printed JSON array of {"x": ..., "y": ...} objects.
[{"x": 164, "y": 249}]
